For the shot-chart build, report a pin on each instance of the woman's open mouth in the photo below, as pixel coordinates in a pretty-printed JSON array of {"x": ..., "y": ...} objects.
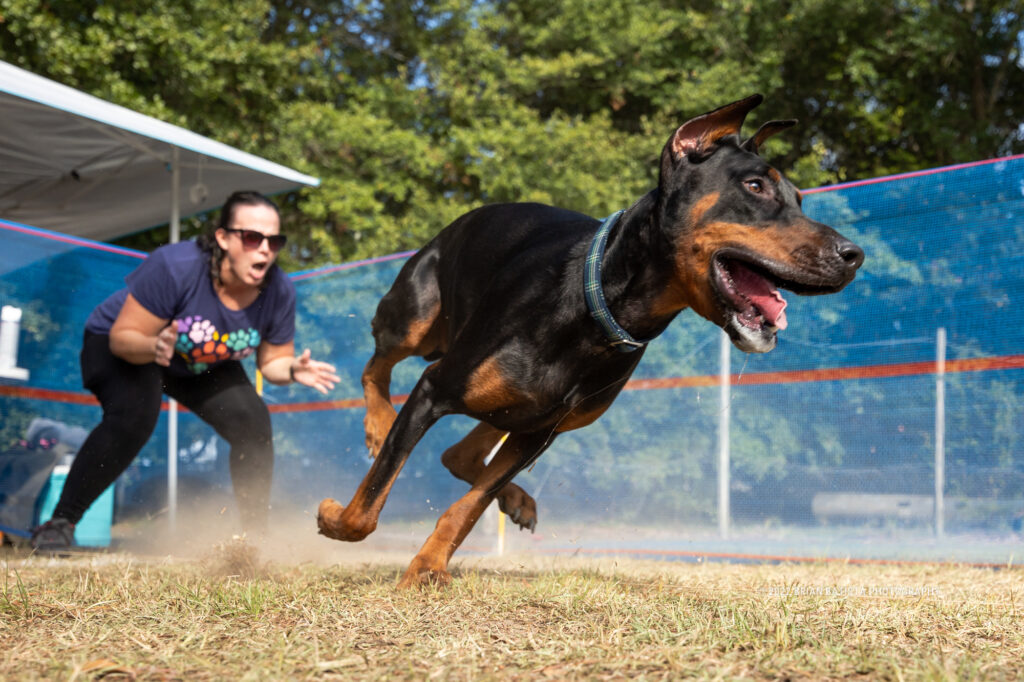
[{"x": 259, "y": 270}]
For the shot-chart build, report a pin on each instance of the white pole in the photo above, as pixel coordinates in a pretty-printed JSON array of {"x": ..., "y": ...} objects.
[
  {"x": 499, "y": 545},
  {"x": 723, "y": 436},
  {"x": 175, "y": 236},
  {"x": 10, "y": 328},
  {"x": 172, "y": 412},
  {"x": 940, "y": 431}
]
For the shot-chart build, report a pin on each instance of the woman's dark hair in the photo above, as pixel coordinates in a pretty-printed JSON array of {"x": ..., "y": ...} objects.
[{"x": 208, "y": 240}]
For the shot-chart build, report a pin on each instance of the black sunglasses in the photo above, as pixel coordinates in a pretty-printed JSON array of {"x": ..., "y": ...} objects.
[{"x": 251, "y": 239}]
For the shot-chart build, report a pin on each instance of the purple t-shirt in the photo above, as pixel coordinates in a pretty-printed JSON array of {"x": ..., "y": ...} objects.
[{"x": 174, "y": 284}]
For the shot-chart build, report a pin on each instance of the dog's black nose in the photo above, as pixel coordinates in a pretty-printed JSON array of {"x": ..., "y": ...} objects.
[{"x": 851, "y": 254}]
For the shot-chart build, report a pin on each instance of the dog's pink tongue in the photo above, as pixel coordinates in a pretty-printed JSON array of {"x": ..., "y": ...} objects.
[{"x": 762, "y": 294}]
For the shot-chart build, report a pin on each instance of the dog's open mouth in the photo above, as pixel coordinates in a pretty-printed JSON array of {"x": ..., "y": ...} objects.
[
  {"x": 748, "y": 290},
  {"x": 747, "y": 287},
  {"x": 751, "y": 293}
]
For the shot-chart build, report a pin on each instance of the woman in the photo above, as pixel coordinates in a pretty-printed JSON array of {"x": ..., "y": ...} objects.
[{"x": 188, "y": 316}]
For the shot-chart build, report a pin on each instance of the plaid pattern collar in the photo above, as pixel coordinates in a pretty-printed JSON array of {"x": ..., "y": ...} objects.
[{"x": 594, "y": 295}]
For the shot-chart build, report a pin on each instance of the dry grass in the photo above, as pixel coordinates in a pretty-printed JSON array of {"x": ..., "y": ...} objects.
[{"x": 232, "y": 616}]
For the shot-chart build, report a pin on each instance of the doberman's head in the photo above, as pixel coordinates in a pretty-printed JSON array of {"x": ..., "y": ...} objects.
[{"x": 737, "y": 231}]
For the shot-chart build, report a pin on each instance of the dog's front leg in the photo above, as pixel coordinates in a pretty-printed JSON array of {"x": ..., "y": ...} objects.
[
  {"x": 465, "y": 460},
  {"x": 380, "y": 413},
  {"x": 359, "y": 518},
  {"x": 430, "y": 566}
]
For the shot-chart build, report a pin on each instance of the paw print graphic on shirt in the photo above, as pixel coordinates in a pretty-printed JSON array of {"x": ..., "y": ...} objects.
[
  {"x": 242, "y": 339},
  {"x": 201, "y": 345},
  {"x": 201, "y": 331}
]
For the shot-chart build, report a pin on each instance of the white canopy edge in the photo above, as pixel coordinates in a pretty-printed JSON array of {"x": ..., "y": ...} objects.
[{"x": 27, "y": 85}]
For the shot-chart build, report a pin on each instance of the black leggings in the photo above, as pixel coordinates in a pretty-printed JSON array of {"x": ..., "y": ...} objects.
[{"x": 130, "y": 396}]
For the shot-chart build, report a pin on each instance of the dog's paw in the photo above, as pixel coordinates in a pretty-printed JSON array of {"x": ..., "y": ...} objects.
[
  {"x": 331, "y": 520},
  {"x": 519, "y": 506},
  {"x": 425, "y": 578},
  {"x": 328, "y": 516}
]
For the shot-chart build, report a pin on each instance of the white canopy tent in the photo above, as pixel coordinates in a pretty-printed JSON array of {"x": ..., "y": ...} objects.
[{"x": 76, "y": 164}]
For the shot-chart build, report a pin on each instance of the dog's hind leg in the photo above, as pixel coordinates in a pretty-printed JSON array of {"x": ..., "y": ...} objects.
[
  {"x": 359, "y": 518},
  {"x": 465, "y": 460},
  {"x": 431, "y": 563},
  {"x": 406, "y": 324}
]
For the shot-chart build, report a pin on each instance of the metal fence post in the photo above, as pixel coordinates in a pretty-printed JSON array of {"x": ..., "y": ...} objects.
[
  {"x": 940, "y": 430},
  {"x": 723, "y": 436}
]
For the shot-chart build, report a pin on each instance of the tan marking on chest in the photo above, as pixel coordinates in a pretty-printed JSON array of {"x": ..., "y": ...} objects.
[
  {"x": 579, "y": 418},
  {"x": 488, "y": 388}
]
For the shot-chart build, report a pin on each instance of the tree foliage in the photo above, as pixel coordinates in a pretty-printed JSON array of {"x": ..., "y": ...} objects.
[{"x": 412, "y": 113}]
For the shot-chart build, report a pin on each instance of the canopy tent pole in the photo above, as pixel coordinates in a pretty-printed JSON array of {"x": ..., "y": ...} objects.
[{"x": 172, "y": 412}]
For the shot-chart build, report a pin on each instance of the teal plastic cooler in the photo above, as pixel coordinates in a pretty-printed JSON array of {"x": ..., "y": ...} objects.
[{"x": 93, "y": 530}]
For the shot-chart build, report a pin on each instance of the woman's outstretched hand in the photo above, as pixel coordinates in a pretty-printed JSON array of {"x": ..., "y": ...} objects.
[{"x": 313, "y": 373}]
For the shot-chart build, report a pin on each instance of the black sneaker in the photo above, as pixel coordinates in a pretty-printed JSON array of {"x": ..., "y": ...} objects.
[{"x": 54, "y": 536}]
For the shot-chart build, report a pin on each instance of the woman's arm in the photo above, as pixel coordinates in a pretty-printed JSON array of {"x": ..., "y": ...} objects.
[
  {"x": 140, "y": 337},
  {"x": 280, "y": 366}
]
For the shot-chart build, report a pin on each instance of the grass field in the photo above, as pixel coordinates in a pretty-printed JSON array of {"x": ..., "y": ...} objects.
[{"x": 232, "y": 615}]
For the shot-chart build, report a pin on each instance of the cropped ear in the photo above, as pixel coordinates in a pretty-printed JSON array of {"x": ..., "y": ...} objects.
[
  {"x": 698, "y": 134},
  {"x": 766, "y": 131}
]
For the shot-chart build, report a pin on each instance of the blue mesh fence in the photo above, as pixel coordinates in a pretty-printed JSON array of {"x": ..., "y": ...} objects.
[{"x": 832, "y": 436}]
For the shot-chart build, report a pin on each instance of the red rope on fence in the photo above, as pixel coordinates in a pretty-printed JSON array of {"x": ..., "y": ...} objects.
[{"x": 900, "y": 369}]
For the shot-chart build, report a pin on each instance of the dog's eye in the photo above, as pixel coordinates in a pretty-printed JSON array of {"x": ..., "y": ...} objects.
[{"x": 755, "y": 186}]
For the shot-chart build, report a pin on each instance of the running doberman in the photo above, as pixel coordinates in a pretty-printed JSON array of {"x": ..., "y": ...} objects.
[{"x": 535, "y": 317}]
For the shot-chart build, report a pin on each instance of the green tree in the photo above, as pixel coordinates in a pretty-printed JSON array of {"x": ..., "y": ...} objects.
[
  {"x": 900, "y": 86},
  {"x": 414, "y": 113}
]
